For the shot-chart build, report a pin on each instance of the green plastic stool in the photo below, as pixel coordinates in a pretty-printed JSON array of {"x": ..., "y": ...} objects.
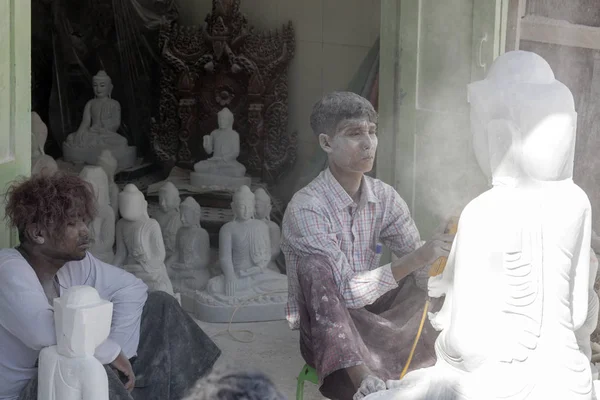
[{"x": 307, "y": 374}]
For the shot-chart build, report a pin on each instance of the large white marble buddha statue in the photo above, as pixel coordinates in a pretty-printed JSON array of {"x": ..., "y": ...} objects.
[
  {"x": 140, "y": 247},
  {"x": 98, "y": 129},
  {"x": 69, "y": 370},
  {"x": 517, "y": 281},
  {"x": 102, "y": 227},
  {"x": 41, "y": 163},
  {"x": 224, "y": 145},
  {"x": 245, "y": 253},
  {"x": 189, "y": 263},
  {"x": 168, "y": 215}
]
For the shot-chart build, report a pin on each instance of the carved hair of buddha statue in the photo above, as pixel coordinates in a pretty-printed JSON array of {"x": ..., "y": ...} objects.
[
  {"x": 102, "y": 227},
  {"x": 140, "y": 247},
  {"x": 517, "y": 280},
  {"x": 98, "y": 129},
  {"x": 69, "y": 370},
  {"x": 189, "y": 262},
  {"x": 108, "y": 163},
  {"x": 168, "y": 216},
  {"x": 41, "y": 163},
  {"x": 263, "y": 213}
]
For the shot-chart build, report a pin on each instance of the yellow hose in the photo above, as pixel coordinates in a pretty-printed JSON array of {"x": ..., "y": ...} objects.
[
  {"x": 436, "y": 269},
  {"x": 414, "y": 346}
]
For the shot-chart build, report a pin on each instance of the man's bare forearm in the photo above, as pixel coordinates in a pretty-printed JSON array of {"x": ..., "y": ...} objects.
[{"x": 411, "y": 262}]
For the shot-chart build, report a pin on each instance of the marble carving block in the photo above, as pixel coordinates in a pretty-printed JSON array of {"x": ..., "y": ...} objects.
[{"x": 69, "y": 370}]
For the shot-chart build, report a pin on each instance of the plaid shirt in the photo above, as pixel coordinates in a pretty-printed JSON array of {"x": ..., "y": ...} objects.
[{"x": 322, "y": 219}]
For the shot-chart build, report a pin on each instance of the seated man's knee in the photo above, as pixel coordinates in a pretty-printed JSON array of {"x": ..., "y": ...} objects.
[
  {"x": 315, "y": 268},
  {"x": 160, "y": 298}
]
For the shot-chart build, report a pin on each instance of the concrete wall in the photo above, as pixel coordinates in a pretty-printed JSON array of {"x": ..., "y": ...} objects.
[{"x": 332, "y": 39}]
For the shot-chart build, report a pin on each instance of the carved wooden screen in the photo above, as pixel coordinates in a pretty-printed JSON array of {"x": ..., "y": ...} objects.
[{"x": 225, "y": 63}]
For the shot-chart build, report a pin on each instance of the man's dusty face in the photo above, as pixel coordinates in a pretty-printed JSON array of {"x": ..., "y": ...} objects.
[
  {"x": 71, "y": 244},
  {"x": 353, "y": 146}
]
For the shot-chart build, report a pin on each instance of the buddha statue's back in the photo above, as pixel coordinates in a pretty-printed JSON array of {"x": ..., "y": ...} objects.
[{"x": 517, "y": 282}]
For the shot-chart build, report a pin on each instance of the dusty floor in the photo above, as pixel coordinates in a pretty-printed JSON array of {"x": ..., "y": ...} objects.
[{"x": 274, "y": 350}]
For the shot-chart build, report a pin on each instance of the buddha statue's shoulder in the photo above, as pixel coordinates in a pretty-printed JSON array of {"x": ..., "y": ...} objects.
[
  {"x": 479, "y": 206},
  {"x": 113, "y": 103},
  {"x": 150, "y": 223}
]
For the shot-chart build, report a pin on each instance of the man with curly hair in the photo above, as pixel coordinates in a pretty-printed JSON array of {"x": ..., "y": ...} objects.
[
  {"x": 357, "y": 320},
  {"x": 155, "y": 351}
]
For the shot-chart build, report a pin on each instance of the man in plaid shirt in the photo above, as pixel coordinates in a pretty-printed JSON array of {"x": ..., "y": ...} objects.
[{"x": 357, "y": 320}]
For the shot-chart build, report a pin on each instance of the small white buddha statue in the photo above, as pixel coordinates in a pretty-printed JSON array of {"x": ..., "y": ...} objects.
[
  {"x": 245, "y": 253},
  {"x": 517, "y": 312},
  {"x": 98, "y": 129},
  {"x": 224, "y": 145},
  {"x": 41, "y": 163},
  {"x": 109, "y": 164},
  {"x": 168, "y": 216},
  {"x": 189, "y": 262},
  {"x": 69, "y": 370},
  {"x": 263, "y": 213},
  {"x": 140, "y": 247},
  {"x": 102, "y": 228}
]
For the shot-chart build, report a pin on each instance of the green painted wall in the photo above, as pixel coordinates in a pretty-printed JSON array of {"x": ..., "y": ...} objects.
[{"x": 15, "y": 102}]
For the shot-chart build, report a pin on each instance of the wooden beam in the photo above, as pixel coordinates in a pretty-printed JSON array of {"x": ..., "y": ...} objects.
[{"x": 546, "y": 30}]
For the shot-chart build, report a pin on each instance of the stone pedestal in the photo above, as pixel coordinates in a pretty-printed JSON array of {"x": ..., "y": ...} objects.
[
  {"x": 200, "y": 180},
  {"x": 126, "y": 156}
]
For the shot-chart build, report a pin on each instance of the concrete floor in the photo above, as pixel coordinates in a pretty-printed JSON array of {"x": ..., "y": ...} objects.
[{"x": 274, "y": 350}]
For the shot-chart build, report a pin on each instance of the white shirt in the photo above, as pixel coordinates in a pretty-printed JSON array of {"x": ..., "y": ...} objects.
[{"x": 27, "y": 318}]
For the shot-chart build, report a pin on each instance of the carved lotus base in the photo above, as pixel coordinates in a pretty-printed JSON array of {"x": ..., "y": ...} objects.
[
  {"x": 126, "y": 156},
  {"x": 200, "y": 179}
]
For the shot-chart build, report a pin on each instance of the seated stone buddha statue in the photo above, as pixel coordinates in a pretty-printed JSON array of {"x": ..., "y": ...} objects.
[
  {"x": 222, "y": 168},
  {"x": 98, "y": 129}
]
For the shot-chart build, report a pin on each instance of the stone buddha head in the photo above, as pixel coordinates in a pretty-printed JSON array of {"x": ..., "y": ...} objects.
[
  {"x": 108, "y": 163},
  {"x": 82, "y": 321},
  {"x": 243, "y": 203},
  {"x": 132, "y": 204},
  {"x": 168, "y": 197},
  {"x": 190, "y": 212},
  {"x": 225, "y": 119},
  {"x": 99, "y": 181},
  {"x": 263, "y": 204},
  {"x": 523, "y": 120},
  {"x": 102, "y": 85}
]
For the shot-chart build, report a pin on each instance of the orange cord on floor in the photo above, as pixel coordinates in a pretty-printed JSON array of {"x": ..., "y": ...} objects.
[{"x": 436, "y": 269}]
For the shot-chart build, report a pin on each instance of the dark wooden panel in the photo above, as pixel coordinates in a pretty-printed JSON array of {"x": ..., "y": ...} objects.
[{"x": 584, "y": 12}]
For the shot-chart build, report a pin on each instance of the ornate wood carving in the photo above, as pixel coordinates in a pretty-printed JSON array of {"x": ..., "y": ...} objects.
[{"x": 225, "y": 63}]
